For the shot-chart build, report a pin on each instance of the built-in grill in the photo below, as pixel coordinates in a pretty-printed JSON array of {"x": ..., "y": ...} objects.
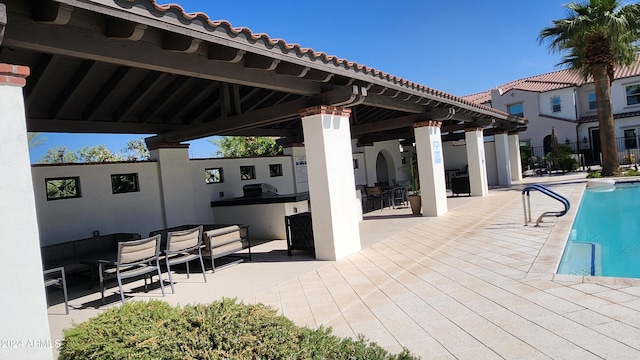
[{"x": 259, "y": 190}]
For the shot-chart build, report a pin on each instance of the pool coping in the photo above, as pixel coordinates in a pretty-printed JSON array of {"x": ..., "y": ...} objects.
[{"x": 547, "y": 262}]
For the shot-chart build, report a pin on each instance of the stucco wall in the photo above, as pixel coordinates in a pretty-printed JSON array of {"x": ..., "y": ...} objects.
[{"x": 98, "y": 209}]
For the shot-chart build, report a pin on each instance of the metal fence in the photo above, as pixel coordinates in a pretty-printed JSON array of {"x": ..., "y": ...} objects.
[{"x": 628, "y": 151}]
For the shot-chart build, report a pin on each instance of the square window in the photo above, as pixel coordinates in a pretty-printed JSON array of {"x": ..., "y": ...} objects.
[
  {"x": 516, "y": 109},
  {"x": 555, "y": 104},
  {"x": 247, "y": 172},
  {"x": 633, "y": 94},
  {"x": 630, "y": 139},
  {"x": 63, "y": 188},
  {"x": 592, "y": 101},
  {"x": 213, "y": 175},
  {"x": 275, "y": 170},
  {"x": 124, "y": 183}
]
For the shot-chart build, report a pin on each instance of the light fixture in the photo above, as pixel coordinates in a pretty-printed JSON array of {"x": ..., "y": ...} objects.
[
  {"x": 566, "y": 141},
  {"x": 585, "y": 141}
]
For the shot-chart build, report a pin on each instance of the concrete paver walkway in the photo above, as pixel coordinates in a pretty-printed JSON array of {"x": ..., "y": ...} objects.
[{"x": 472, "y": 284}]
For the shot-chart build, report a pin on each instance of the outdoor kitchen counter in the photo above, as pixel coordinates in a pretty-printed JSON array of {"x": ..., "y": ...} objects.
[
  {"x": 273, "y": 199},
  {"x": 264, "y": 215}
]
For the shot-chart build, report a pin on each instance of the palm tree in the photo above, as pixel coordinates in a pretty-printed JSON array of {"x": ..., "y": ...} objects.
[{"x": 596, "y": 37}]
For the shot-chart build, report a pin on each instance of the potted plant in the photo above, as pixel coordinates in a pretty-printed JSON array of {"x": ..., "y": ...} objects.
[{"x": 415, "y": 200}]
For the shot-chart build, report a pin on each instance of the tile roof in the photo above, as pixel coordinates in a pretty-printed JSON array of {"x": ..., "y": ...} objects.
[
  {"x": 551, "y": 81},
  {"x": 212, "y": 25}
]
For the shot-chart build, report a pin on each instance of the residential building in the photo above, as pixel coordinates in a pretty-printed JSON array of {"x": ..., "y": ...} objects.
[{"x": 564, "y": 100}]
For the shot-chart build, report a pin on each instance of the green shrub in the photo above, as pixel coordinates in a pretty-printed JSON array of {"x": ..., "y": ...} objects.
[
  {"x": 631, "y": 172},
  {"x": 221, "y": 330},
  {"x": 594, "y": 174}
]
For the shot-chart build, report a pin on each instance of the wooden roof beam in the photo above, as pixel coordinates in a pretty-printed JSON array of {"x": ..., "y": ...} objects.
[
  {"x": 50, "y": 12},
  {"x": 219, "y": 52},
  {"x": 254, "y": 61},
  {"x": 285, "y": 68},
  {"x": 180, "y": 43},
  {"x": 122, "y": 29}
]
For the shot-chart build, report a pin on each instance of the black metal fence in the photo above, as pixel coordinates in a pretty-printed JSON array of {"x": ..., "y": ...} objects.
[{"x": 628, "y": 152}]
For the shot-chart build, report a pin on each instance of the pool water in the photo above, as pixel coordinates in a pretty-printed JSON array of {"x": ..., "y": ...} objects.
[{"x": 605, "y": 238}]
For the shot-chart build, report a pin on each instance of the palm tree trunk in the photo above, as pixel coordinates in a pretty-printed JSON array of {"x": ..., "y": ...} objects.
[{"x": 610, "y": 163}]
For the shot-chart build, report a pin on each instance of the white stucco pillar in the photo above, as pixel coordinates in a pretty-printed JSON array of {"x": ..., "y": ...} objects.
[
  {"x": 327, "y": 139},
  {"x": 514, "y": 156},
  {"x": 175, "y": 183},
  {"x": 433, "y": 187},
  {"x": 478, "y": 183},
  {"x": 24, "y": 333},
  {"x": 503, "y": 159}
]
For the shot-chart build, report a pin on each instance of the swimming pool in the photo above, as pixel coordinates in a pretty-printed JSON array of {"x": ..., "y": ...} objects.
[{"x": 605, "y": 238}]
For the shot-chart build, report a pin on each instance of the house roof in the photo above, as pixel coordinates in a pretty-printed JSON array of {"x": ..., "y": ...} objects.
[
  {"x": 551, "y": 81},
  {"x": 135, "y": 66}
]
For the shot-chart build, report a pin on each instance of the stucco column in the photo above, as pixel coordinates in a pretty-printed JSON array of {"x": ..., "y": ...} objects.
[
  {"x": 25, "y": 327},
  {"x": 514, "y": 156},
  {"x": 175, "y": 183},
  {"x": 327, "y": 139},
  {"x": 474, "y": 139},
  {"x": 503, "y": 159},
  {"x": 433, "y": 187}
]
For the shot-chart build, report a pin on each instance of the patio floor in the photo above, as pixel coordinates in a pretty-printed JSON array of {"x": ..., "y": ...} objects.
[{"x": 472, "y": 284}]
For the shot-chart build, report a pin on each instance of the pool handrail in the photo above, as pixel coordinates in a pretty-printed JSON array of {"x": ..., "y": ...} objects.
[{"x": 526, "y": 203}]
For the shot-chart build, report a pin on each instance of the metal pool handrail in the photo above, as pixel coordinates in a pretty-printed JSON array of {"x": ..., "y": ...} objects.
[{"x": 526, "y": 203}]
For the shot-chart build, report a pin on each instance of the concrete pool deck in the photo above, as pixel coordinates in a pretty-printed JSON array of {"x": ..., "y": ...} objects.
[{"x": 472, "y": 284}]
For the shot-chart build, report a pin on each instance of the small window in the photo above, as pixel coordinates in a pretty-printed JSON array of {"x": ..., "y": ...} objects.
[
  {"x": 124, "y": 183},
  {"x": 355, "y": 163},
  {"x": 633, "y": 94},
  {"x": 516, "y": 109},
  {"x": 555, "y": 104},
  {"x": 213, "y": 176},
  {"x": 247, "y": 172},
  {"x": 63, "y": 188},
  {"x": 592, "y": 101},
  {"x": 630, "y": 139},
  {"x": 275, "y": 170}
]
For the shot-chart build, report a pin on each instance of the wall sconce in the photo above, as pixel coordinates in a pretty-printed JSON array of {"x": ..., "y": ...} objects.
[
  {"x": 404, "y": 160},
  {"x": 585, "y": 141},
  {"x": 566, "y": 141}
]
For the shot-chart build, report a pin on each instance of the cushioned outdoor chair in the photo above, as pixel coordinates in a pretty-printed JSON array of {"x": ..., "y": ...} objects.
[
  {"x": 135, "y": 258},
  {"x": 183, "y": 247},
  {"x": 55, "y": 277}
]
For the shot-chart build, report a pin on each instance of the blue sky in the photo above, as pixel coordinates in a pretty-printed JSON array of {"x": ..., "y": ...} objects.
[{"x": 460, "y": 47}]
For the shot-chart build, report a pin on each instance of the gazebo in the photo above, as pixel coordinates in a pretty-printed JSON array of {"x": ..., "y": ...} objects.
[{"x": 134, "y": 66}]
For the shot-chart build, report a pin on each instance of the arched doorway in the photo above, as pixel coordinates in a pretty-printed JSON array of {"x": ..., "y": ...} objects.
[{"x": 382, "y": 169}]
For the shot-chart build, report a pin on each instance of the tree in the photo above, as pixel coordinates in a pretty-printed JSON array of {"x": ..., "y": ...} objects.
[
  {"x": 249, "y": 146},
  {"x": 97, "y": 154},
  {"x": 136, "y": 150},
  {"x": 596, "y": 37},
  {"x": 58, "y": 155},
  {"x": 34, "y": 139}
]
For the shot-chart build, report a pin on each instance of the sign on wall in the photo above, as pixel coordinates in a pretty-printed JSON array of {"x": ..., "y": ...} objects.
[
  {"x": 301, "y": 168},
  {"x": 437, "y": 151}
]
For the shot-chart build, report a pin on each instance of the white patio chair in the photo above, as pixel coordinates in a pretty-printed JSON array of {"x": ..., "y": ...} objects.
[
  {"x": 183, "y": 247},
  {"x": 135, "y": 258}
]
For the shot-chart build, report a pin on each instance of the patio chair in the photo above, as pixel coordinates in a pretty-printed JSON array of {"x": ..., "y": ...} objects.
[
  {"x": 183, "y": 247},
  {"x": 399, "y": 196},
  {"x": 374, "y": 196},
  {"x": 50, "y": 279},
  {"x": 135, "y": 258}
]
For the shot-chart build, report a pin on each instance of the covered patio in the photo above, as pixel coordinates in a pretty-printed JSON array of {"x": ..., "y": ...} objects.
[{"x": 133, "y": 66}]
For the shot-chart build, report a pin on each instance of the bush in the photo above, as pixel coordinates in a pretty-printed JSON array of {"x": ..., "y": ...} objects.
[
  {"x": 631, "y": 172},
  {"x": 220, "y": 330},
  {"x": 594, "y": 175}
]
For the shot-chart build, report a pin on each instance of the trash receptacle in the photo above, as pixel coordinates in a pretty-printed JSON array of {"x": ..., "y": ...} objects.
[{"x": 299, "y": 232}]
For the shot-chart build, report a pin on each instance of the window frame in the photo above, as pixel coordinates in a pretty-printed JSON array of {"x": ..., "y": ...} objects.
[
  {"x": 75, "y": 179},
  {"x": 252, "y": 172},
  {"x": 556, "y": 104},
  {"x": 136, "y": 183},
  {"x": 631, "y": 142},
  {"x": 510, "y": 106},
  {"x": 635, "y": 95},
  {"x": 220, "y": 175},
  {"x": 593, "y": 104},
  {"x": 278, "y": 170}
]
